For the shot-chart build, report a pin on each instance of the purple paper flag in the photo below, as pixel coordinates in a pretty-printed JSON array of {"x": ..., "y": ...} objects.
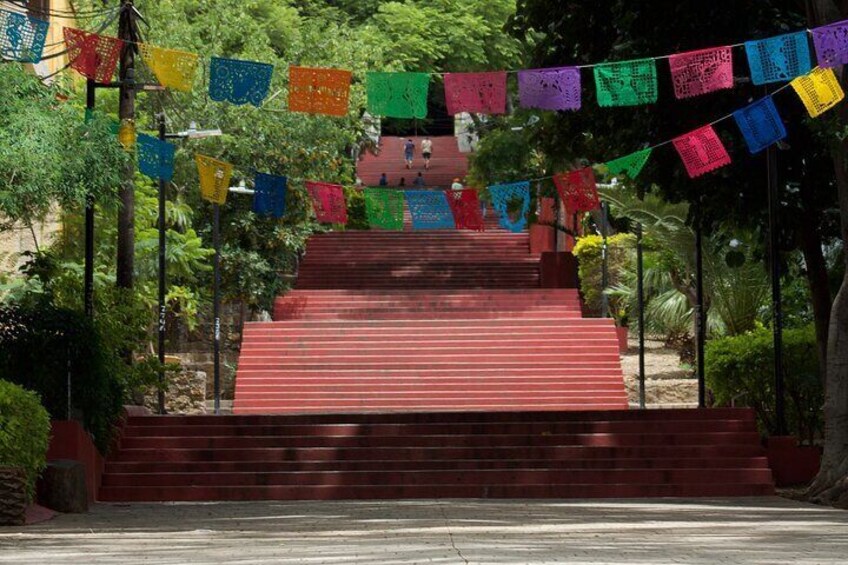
[
  {"x": 550, "y": 89},
  {"x": 831, "y": 43}
]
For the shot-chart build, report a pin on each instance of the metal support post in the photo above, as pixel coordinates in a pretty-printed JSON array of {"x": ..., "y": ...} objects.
[
  {"x": 88, "y": 272},
  {"x": 216, "y": 313},
  {"x": 777, "y": 308},
  {"x": 700, "y": 313},
  {"x": 162, "y": 275},
  {"x": 604, "y": 261}
]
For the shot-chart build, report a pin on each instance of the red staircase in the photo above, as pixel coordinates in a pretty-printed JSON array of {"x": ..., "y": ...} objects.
[
  {"x": 447, "y": 163},
  {"x": 440, "y": 455}
]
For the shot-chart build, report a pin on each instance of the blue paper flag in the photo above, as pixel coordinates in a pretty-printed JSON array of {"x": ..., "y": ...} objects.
[
  {"x": 429, "y": 209},
  {"x": 505, "y": 194},
  {"x": 155, "y": 157},
  {"x": 778, "y": 59},
  {"x": 239, "y": 82},
  {"x": 760, "y": 124},
  {"x": 269, "y": 198},
  {"x": 22, "y": 37}
]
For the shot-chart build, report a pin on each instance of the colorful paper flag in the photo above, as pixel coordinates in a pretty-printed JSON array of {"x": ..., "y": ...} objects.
[
  {"x": 578, "y": 190},
  {"x": 127, "y": 134},
  {"x": 22, "y": 37},
  {"x": 155, "y": 157},
  {"x": 269, "y": 196},
  {"x": 91, "y": 55},
  {"x": 515, "y": 195},
  {"x": 319, "y": 91},
  {"x": 328, "y": 200},
  {"x": 628, "y": 83},
  {"x": 215, "y": 178},
  {"x": 172, "y": 68},
  {"x": 819, "y": 91},
  {"x": 398, "y": 95},
  {"x": 630, "y": 165},
  {"x": 384, "y": 208},
  {"x": 239, "y": 82},
  {"x": 760, "y": 124},
  {"x": 465, "y": 206},
  {"x": 701, "y": 151},
  {"x": 476, "y": 93},
  {"x": 429, "y": 209},
  {"x": 831, "y": 43},
  {"x": 778, "y": 59},
  {"x": 550, "y": 89},
  {"x": 699, "y": 72}
]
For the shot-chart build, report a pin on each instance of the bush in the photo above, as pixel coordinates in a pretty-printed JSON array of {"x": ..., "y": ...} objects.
[
  {"x": 357, "y": 217},
  {"x": 588, "y": 252},
  {"x": 739, "y": 369},
  {"x": 24, "y": 432},
  {"x": 43, "y": 347}
]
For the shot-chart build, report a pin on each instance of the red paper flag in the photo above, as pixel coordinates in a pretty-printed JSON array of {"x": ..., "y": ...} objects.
[
  {"x": 91, "y": 55},
  {"x": 328, "y": 201},
  {"x": 465, "y": 206},
  {"x": 577, "y": 190},
  {"x": 699, "y": 72},
  {"x": 479, "y": 93},
  {"x": 701, "y": 151}
]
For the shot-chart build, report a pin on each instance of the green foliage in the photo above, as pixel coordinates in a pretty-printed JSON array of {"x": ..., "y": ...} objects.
[
  {"x": 24, "y": 432},
  {"x": 357, "y": 216},
  {"x": 739, "y": 370},
  {"x": 589, "y": 250}
]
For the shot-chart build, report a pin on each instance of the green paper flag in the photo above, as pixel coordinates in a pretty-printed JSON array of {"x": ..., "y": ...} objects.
[
  {"x": 384, "y": 208},
  {"x": 630, "y": 165},
  {"x": 398, "y": 95},
  {"x": 629, "y": 83}
]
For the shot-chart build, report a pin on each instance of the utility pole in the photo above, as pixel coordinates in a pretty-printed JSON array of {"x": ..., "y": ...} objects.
[{"x": 128, "y": 32}]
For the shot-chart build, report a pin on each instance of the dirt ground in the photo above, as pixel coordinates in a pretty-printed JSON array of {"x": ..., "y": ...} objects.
[{"x": 668, "y": 384}]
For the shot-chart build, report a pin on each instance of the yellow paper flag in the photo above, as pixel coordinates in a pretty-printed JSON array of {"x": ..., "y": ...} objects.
[
  {"x": 819, "y": 91},
  {"x": 127, "y": 134},
  {"x": 214, "y": 178},
  {"x": 173, "y": 69}
]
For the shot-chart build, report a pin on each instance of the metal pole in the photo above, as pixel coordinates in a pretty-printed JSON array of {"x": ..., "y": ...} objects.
[
  {"x": 777, "y": 309},
  {"x": 162, "y": 274},
  {"x": 604, "y": 262},
  {"x": 88, "y": 274},
  {"x": 700, "y": 315},
  {"x": 640, "y": 291},
  {"x": 216, "y": 237}
]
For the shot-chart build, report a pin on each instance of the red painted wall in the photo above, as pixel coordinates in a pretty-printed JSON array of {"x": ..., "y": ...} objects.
[{"x": 69, "y": 440}]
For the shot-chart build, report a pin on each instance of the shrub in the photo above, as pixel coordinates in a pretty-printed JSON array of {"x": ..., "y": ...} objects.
[
  {"x": 357, "y": 218},
  {"x": 588, "y": 251},
  {"x": 740, "y": 369},
  {"x": 24, "y": 432},
  {"x": 43, "y": 348}
]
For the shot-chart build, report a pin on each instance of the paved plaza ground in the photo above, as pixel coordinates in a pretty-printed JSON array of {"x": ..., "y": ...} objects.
[{"x": 752, "y": 530}]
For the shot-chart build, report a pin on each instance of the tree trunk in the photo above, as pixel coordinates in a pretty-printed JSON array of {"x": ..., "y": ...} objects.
[
  {"x": 126, "y": 112},
  {"x": 831, "y": 484},
  {"x": 811, "y": 246}
]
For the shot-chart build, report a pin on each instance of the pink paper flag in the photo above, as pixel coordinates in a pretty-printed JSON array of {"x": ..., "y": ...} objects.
[
  {"x": 698, "y": 72},
  {"x": 478, "y": 93},
  {"x": 701, "y": 151},
  {"x": 328, "y": 201}
]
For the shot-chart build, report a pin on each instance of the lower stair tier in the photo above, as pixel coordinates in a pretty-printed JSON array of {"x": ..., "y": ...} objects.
[{"x": 589, "y": 454}]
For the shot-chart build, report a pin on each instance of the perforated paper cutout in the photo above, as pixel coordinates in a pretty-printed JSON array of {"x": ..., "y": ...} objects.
[
  {"x": 546, "y": 213},
  {"x": 477, "y": 93},
  {"x": 699, "y": 72},
  {"x": 22, "y": 37},
  {"x": 269, "y": 197},
  {"x": 831, "y": 43},
  {"x": 155, "y": 157},
  {"x": 239, "y": 82},
  {"x": 319, "y": 91},
  {"x": 398, "y": 95},
  {"x": 465, "y": 206},
  {"x": 215, "y": 178},
  {"x": 512, "y": 202},
  {"x": 628, "y": 83},
  {"x": 328, "y": 201},
  {"x": 760, "y": 124},
  {"x": 819, "y": 91},
  {"x": 630, "y": 165},
  {"x": 384, "y": 208},
  {"x": 429, "y": 209},
  {"x": 550, "y": 89},
  {"x": 578, "y": 190},
  {"x": 127, "y": 134},
  {"x": 701, "y": 151},
  {"x": 91, "y": 55},
  {"x": 172, "y": 68},
  {"x": 778, "y": 59}
]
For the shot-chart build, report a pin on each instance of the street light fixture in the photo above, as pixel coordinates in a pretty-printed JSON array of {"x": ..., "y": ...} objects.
[{"x": 191, "y": 133}]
